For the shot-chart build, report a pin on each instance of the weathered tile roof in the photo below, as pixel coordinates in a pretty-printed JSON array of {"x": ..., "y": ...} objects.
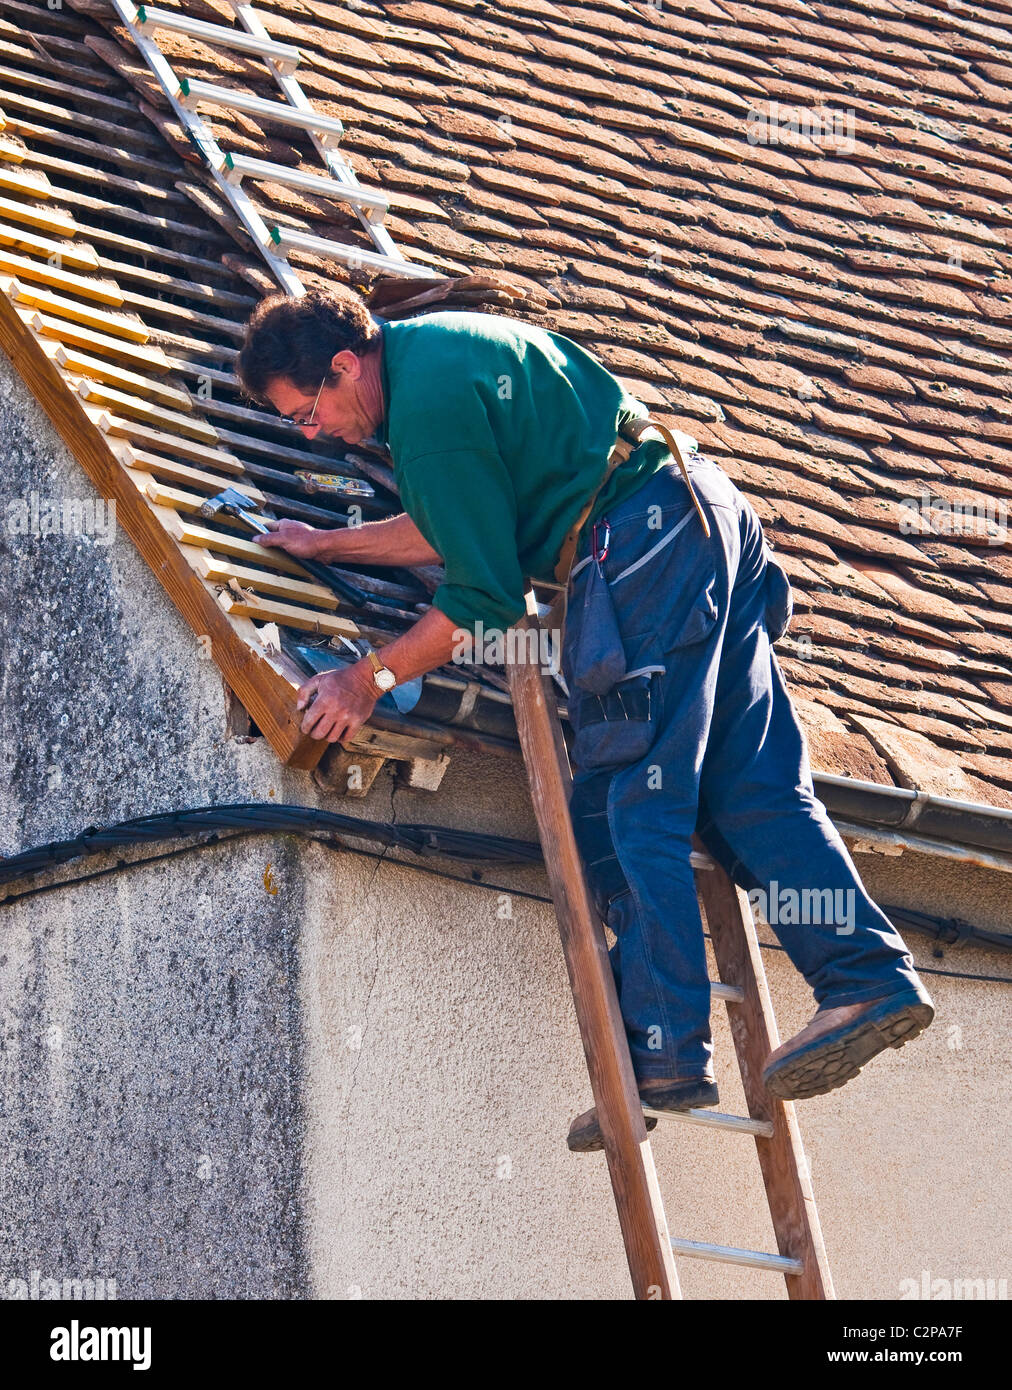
[{"x": 832, "y": 321}]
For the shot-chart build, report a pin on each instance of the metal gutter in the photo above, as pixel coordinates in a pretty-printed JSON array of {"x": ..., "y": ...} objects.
[
  {"x": 889, "y": 817},
  {"x": 931, "y": 821}
]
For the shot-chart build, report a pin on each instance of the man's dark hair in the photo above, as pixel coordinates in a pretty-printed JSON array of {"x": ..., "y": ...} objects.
[{"x": 296, "y": 338}]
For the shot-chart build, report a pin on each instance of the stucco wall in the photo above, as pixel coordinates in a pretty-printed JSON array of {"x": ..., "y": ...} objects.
[
  {"x": 265, "y": 1070},
  {"x": 152, "y": 1124},
  {"x": 451, "y": 1120}
]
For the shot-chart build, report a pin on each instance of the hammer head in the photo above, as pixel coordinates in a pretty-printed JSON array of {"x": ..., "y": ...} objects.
[{"x": 231, "y": 500}]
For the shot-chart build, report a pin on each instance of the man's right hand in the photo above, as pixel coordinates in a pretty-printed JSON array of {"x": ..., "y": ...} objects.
[
  {"x": 395, "y": 540},
  {"x": 298, "y": 539}
]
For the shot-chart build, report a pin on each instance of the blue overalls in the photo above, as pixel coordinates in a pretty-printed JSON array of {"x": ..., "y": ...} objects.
[{"x": 682, "y": 722}]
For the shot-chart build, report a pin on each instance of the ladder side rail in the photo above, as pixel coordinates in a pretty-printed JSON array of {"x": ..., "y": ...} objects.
[
  {"x": 630, "y": 1161},
  {"x": 753, "y": 1027},
  {"x": 381, "y": 237}
]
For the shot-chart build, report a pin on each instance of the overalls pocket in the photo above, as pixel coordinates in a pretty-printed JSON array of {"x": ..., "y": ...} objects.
[
  {"x": 779, "y": 600},
  {"x": 599, "y": 659},
  {"x": 618, "y": 727},
  {"x": 613, "y": 706},
  {"x": 623, "y": 725},
  {"x": 665, "y": 605}
]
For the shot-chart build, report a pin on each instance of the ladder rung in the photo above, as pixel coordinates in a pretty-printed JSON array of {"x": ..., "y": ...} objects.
[
  {"x": 716, "y": 1119},
  {"x": 284, "y": 55},
  {"x": 290, "y": 238},
  {"x": 733, "y": 994},
  {"x": 373, "y": 203},
  {"x": 728, "y": 1254},
  {"x": 192, "y": 91}
]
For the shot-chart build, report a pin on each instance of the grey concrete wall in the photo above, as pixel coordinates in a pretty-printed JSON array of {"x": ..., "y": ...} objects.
[
  {"x": 151, "y": 1035},
  {"x": 265, "y": 1070}
]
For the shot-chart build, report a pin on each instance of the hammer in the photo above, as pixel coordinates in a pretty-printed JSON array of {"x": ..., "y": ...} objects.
[{"x": 237, "y": 504}]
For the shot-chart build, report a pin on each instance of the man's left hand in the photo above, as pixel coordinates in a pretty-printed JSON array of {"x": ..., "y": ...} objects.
[{"x": 343, "y": 702}]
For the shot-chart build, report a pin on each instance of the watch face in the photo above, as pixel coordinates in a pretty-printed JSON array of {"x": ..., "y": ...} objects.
[{"x": 385, "y": 679}]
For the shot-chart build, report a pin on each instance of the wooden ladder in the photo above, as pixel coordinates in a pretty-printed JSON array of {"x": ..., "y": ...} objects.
[{"x": 650, "y": 1250}]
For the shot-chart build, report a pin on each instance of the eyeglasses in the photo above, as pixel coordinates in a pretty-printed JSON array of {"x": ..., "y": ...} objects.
[{"x": 291, "y": 420}]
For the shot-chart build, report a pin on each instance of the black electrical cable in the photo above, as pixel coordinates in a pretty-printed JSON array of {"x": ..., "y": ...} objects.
[
  {"x": 953, "y": 931},
  {"x": 121, "y": 865},
  {"x": 949, "y": 930},
  {"x": 331, "y": 844},
  {"x": 266, "y": 816}
]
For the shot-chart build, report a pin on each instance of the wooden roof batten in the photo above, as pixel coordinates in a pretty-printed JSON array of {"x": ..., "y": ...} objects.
[{"x": 228, "y": 170}]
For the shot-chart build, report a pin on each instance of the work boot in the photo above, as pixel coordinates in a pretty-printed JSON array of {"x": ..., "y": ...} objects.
[
  {"x": 656, "y": 1094},
  {"x": 835, "y": 1045}
]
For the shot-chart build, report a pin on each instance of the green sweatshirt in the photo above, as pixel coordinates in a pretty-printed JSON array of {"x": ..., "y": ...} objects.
[{"x": 499, "y": 432}]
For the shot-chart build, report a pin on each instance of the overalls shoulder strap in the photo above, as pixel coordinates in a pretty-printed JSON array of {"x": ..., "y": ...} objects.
[
  {"x": 623, "y": 448},
  {"x": 631, "y": 434},
  {"x": 641, "y": 429}
]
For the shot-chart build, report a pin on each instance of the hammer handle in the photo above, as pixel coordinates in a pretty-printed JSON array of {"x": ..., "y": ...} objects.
[
  {"x": 328, "y": 577},
  {"x": 349, "y": 592}
]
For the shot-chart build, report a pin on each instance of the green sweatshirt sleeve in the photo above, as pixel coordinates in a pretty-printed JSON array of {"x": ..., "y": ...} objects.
[{"x": 464, "y": 503}]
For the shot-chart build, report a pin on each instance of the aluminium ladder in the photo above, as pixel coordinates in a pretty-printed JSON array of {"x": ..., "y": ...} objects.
[
  {"x": 340, "y": 183},
  {"x": 650, "y": 1250}
]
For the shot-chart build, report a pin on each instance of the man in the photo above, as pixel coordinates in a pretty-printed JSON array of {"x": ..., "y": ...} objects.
[{"x": 499, "y": 433}]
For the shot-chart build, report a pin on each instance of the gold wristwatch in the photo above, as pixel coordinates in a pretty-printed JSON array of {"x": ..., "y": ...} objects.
[{"x": 382, "y": 675}]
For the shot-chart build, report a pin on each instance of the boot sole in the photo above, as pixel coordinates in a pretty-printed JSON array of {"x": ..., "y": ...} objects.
[
  {"x": 838, "y": 1057},
  {"x": 589, "y": 1138}
]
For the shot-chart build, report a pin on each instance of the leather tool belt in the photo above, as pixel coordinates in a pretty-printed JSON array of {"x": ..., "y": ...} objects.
[{"x": 631, "y": 434}]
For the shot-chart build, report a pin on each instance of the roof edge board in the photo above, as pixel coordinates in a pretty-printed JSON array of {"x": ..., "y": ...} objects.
[{"x": 876, "y": 840}]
